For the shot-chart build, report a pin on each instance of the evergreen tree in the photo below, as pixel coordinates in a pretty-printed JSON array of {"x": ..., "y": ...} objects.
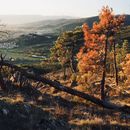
[{"x": 66, "y": 47}]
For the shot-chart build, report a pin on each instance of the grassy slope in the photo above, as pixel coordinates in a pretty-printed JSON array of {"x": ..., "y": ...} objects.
[{"x": 42, "y": 107}]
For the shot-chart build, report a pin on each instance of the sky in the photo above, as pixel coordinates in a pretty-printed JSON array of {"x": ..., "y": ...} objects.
[{"x": 76, "y": 8}]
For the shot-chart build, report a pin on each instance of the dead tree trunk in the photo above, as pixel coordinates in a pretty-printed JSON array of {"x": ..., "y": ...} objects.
[{"x": 74, "y": 92}]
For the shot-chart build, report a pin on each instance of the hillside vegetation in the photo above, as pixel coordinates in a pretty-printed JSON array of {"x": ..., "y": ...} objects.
[{"x": 37, "y": 38}]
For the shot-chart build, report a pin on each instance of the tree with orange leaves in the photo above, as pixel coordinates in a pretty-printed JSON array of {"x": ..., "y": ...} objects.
[
  {"x": 89, "y": 56},
  {"x": 109, "y": 25},
  {"x": 101, "y": 34}
]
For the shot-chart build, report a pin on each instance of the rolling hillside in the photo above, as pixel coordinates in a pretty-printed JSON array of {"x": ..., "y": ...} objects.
[{"x": 60, "y": 25}]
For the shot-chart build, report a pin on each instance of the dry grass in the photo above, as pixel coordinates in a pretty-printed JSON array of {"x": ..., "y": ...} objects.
[
  {"x": 82, "y": 122},
  {"x": 76, "y": 111}
]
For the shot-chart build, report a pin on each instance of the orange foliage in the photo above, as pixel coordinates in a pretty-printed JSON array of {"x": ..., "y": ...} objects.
[
  {"x": 90, "y": 56},
  {"x": 109, "y": 22}
]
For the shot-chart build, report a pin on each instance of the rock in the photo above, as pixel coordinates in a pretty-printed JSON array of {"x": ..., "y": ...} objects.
[
  {"x": 27, "y": 108},
  {"x": 40, "y": 98},
  {"x": 5, "y": 111}
]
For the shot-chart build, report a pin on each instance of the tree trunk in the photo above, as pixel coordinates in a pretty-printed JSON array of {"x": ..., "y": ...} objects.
[
  {"x": 64, "y": 72},
  {"x": 72, "y": 64},
  {"x": 2, "y": 84},
  {"x": 104, "y": 72},
  {"x": 115, "y": 65},
  {"x": 73, "y": 67}
]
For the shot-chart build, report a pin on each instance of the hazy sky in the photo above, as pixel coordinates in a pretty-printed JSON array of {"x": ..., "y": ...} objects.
[{"x": 81, "y": 8}]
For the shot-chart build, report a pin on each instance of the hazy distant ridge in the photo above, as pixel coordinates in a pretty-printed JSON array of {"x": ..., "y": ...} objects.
[
  {"x": 55, "y": 24},
  {"x": 22, "y": 19},
  {"x": 60, "y": 25}
]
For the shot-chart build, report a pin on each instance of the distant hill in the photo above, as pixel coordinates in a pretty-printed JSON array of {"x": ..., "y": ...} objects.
[
  {"x": 23, "y": 19},
  {"x": 60, "y": 25},
  {"x": 56, "y": 26}
]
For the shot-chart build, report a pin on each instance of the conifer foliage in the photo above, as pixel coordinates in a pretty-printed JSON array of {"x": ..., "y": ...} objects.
[{"x": 66, "y": 47}]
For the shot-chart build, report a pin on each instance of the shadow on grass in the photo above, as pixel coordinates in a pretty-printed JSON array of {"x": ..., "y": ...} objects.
[
  {"x": 100, "y": 127},
  {"x": 22, "y": 116}
]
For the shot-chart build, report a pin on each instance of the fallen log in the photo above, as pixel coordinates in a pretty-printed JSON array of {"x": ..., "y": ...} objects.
[{"x": 57, "y": 85}]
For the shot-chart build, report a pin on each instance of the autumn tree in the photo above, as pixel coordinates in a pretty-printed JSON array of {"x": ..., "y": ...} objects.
[
  {"x": 102, "y": 34},
  {"x": 90, "y": 55},
  {"x": 109, "y": 25}
]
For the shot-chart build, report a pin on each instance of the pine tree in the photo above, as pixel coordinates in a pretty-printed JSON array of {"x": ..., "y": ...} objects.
[{"x": 66, "y": 47}]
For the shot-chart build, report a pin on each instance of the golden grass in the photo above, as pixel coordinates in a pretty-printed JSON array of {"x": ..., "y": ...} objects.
[{"x": 82, "y": 122}]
